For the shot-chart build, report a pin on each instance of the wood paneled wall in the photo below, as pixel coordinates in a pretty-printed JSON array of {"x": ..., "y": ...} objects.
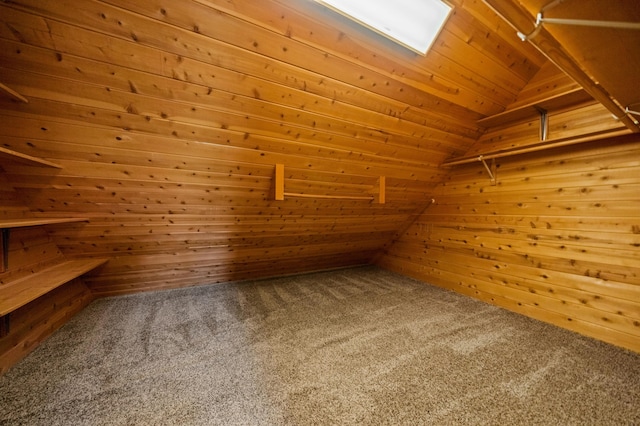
[
  {"x": 30, "y": 249},
  {"x": 34, "y": 322},
  {"x": 168, "y": 119},
  {"x": 556, "y": 239}
]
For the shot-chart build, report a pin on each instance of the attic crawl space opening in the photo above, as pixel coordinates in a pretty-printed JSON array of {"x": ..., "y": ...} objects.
[{"x": 414, "y": 24}]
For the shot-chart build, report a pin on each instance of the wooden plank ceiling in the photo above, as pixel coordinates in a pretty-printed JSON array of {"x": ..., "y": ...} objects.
[
  {"x": 168, "y": 119},
  {"x": 593, "y": 42},
  {"x": 607, "y": 53}
]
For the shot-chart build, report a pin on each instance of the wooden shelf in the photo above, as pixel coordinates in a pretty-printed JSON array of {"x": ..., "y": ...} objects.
[
  {"x": 619, "y": 135},
  {"x": 7, "y": 224},
  {"x": 532, "y": 109},
  {"x": 37, "y": 221},
  {"x": 20, "y": 292},
  {"x": 15, "y": 95},
  {"x": 26, "y": 159}
]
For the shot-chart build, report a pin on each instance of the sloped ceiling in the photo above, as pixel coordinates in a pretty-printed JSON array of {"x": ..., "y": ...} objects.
[
  {"x": 608, "y": 53},
  {"x": 595, "y": 38},
  {"x": 168, "y": 119}
]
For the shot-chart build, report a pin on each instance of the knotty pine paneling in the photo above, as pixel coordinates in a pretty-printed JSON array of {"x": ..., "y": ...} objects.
[
  {"x": 556, "y": 239},
  {"x": 34, "y": 322},
  {"x": 549, "y": 81},
  {"x": 10, "y": 206},
  {"x": 32, "y": 248},
  {"x": 168, "y": 120},
  {"x": 591, "y": 119},
  {"x": 28, "y": 248}
]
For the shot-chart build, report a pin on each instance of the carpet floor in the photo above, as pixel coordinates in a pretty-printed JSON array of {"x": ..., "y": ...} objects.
[{"x": 357, "y": 346}]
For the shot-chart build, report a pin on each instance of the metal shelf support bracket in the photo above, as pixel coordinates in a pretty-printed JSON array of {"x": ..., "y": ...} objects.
[{"x": 491, "y": 170}]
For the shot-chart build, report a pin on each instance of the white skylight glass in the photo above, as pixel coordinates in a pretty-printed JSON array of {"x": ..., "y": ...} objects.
[{"x": 412, "y": 23}]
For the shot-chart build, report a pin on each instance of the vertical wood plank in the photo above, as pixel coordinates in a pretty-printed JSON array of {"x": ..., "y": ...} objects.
[{"x": 279, "y": 182}]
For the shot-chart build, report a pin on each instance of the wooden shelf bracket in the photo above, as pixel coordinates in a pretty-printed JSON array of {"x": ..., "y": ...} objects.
[
  {"x": 279, "y": 182},
  {"x": 544, "y": 124},
  {"x": 4, "y": 325},
  {"x": 4, "y": 247}
]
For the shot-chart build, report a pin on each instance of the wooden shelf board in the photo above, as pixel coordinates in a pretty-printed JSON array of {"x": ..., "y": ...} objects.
[
  {"x": 531, "y": 109},
  {"x": 26, "y": 159},
  {"x": 15, "y": 95},
  {"x": 540, "y": 146},
  {"x": 18, "y": 293},
  {"x": 37, "y": 221}
]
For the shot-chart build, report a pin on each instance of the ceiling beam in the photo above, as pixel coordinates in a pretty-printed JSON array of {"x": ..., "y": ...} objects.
[{"x": 520, "y": 19}]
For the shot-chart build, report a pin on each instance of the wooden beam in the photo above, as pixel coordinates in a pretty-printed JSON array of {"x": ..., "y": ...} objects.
[{"x": 520, "y": 19}]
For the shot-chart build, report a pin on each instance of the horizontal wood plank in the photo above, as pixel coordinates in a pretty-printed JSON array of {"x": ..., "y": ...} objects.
[
  {"x": 14, "y": 295},
  {"x": 37, "y": 221}
]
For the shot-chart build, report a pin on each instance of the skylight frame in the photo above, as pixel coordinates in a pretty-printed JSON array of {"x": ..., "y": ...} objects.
[{"x": 405, "y": 14}]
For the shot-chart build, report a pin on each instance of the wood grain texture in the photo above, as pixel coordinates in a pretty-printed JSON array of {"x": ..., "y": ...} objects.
[
  {"x": 36, "y": 321},
  {"x": 557, "y": 239},
  {"x": 167, "y": 120},
  {"x": 181, "y": 119},
  {"x": 31, "y": 306},
  {"x": 17, "y": 293}
]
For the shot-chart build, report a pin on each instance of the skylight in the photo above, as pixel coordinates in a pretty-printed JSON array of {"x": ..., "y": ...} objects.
[{"x": 412, "y": 23}]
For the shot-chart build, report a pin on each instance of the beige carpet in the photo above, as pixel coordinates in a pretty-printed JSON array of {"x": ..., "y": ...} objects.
[{"x": 359, "y": 346}]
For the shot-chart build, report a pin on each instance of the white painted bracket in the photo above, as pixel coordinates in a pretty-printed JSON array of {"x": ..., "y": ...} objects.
[
  {"x": 628, "y": 110},
  {"x": 491, "y": 170},
  {"x": 544, "y": 124}
]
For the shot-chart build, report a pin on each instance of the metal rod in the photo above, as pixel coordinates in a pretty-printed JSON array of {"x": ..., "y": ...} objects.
[
  {"x": 544, "y": 125},
  {"x": 481, "y": 158},
  {"x": 630, "y": 111},
  {"x": 520, "y": 18},
  {"x": 590, "y": 23},
  {"x": 328, "y": 197},
  {"x": 532, "y": 34}
]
